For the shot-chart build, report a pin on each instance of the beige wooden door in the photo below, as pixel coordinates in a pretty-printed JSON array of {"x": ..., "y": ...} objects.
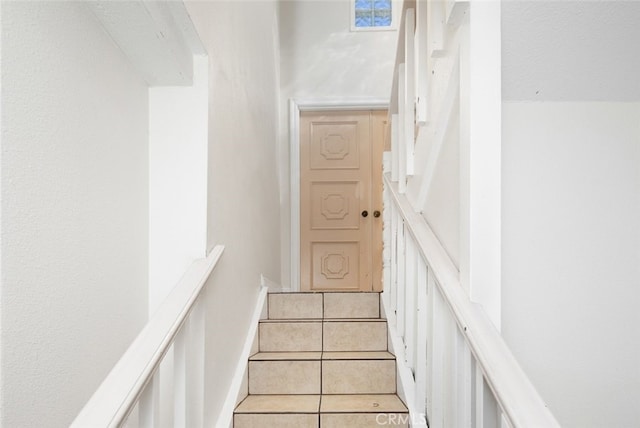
[{"x": 340, "y": 201}]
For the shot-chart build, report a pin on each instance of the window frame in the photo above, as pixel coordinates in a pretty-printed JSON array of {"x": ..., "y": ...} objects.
[{"x": 395, "y": 19}]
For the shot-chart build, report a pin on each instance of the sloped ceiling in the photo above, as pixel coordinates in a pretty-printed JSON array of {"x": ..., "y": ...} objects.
[
  {"x": 157, "y": 37},
  {"x": 571, "y": 50}
]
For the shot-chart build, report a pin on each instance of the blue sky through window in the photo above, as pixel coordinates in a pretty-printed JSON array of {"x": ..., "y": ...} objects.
[{"x": 373, "y": 13}]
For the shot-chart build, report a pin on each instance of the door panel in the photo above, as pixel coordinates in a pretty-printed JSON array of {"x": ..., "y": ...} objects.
[{"x": 335, "y": 188}]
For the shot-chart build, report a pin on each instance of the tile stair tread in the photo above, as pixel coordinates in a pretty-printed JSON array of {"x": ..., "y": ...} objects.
[
  {"x": 342, "y": 403},
  {"x": 285, "y": 356},
  {"x": 279, "y": 404},
  {"x": 317, "y": 355},
  {"x": 362, "y": 403},
  {"x": 358, "y": 355},
  {"x": 292, "y": 320}
]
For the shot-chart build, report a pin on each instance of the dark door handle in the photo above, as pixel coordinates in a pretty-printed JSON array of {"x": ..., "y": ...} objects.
[
  {"x": 376, "y": 213},
  {"x": 365, "y": 213}
]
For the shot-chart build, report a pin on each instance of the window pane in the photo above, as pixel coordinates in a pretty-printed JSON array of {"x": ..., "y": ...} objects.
[
  {"x": 381, "y": 4},
  {"x": 372, "y": 13},
  {"x": 382, "y": 18},
  {"x": 364, "y": 18},
  {"x": 364, "y": 4}
]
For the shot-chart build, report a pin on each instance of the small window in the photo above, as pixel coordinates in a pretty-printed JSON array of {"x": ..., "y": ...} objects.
[{"x": 367, "y": 15}]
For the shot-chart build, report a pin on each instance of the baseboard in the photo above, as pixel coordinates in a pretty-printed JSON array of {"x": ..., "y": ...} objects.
[
  {"x": 274, "y": 287},
  {"x": 225, "y": 419}
]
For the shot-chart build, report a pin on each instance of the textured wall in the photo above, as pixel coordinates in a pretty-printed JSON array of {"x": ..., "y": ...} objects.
[
  {"x": 571, "y": 256},
  {"x": 571, "y": 199},
  {"x": 74, "y": 210},
  {"x": 241, "y": 39},
  {"x": 571, "y": 50}
]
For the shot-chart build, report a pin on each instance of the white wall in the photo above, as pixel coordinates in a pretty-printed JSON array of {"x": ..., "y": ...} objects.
[
  {"x": 322, "y": 58},
  {"x": 178, "y": 130},
  {"x": 442, "y": 207},
  {"x": 74, "y": 210},
  {"x": 244, "y": 213},
  {"x": 571, "y": 256},
  {"x": 571, "y": 50},
  {"x": 571, "y": 200}
]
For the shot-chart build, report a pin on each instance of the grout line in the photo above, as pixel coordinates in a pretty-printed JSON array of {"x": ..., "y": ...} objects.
[{"x": 248, "y": 380}]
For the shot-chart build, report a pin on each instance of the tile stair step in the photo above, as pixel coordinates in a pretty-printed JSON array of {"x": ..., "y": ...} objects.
[
  {"x": 285, "y": 377},
  {"x": 354, "y": 335},
  {"x": 289, "y": 306},
  {"x": 278, "y": 411},
  {"x": 306, "y": 356},
  {"x": 358, "y": 377},
  {"x": 334, "y": 343},
  {"x": 329, "y": 335},
  {"x": 351, "y": 305},
  {"x": 290, "y": 336},
  {"x": 279, "y": 356},
  {"x": 334, "y": 372},
  {"x": 362, "y": 403},
  {"x": 295, "y": 305},
  {"x": 334, "y": 411}
]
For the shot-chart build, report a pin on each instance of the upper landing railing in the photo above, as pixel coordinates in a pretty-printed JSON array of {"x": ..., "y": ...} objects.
[
  {"x": 459, "y": 369},
  {"x": 130, "y": 395}
]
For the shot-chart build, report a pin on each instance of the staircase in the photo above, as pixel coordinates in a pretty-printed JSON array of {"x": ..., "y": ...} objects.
[{"x": 322, "y": 362}]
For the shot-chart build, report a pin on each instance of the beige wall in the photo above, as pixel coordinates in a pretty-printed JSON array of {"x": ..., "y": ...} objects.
[{"x": 243, "y": 212}]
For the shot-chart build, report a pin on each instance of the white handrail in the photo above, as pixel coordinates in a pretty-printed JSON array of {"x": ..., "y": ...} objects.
[
  {"x": 518, "y": 399},
  {"x": 117, "y": 395}
]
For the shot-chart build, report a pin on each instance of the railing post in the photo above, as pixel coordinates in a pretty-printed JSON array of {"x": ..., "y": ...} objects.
[
  {"x": 409, "y": 91},
  {"x": 402, "y": 138}
]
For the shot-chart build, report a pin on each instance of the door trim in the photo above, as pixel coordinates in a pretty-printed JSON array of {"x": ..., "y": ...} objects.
[{"x": 297, "y": 105}]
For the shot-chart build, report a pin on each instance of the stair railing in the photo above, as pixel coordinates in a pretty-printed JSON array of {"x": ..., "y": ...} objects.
[
  {"x": 132, "y": 388},
  {"x": 457, "y": 371}
]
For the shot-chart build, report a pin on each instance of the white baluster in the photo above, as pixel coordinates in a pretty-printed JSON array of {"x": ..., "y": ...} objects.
[
  {"x": 393, "y": 285},
  {"x": 148, "y": 407},
  {"x": 196, "y": 363},
  {"x": 410, "y": 303},
  {"x": 180, "y": 378},
  {"x": 437, "y": 361},
  {"x": 402, "y": 286},
  {"x": 421, "y": 336}
]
